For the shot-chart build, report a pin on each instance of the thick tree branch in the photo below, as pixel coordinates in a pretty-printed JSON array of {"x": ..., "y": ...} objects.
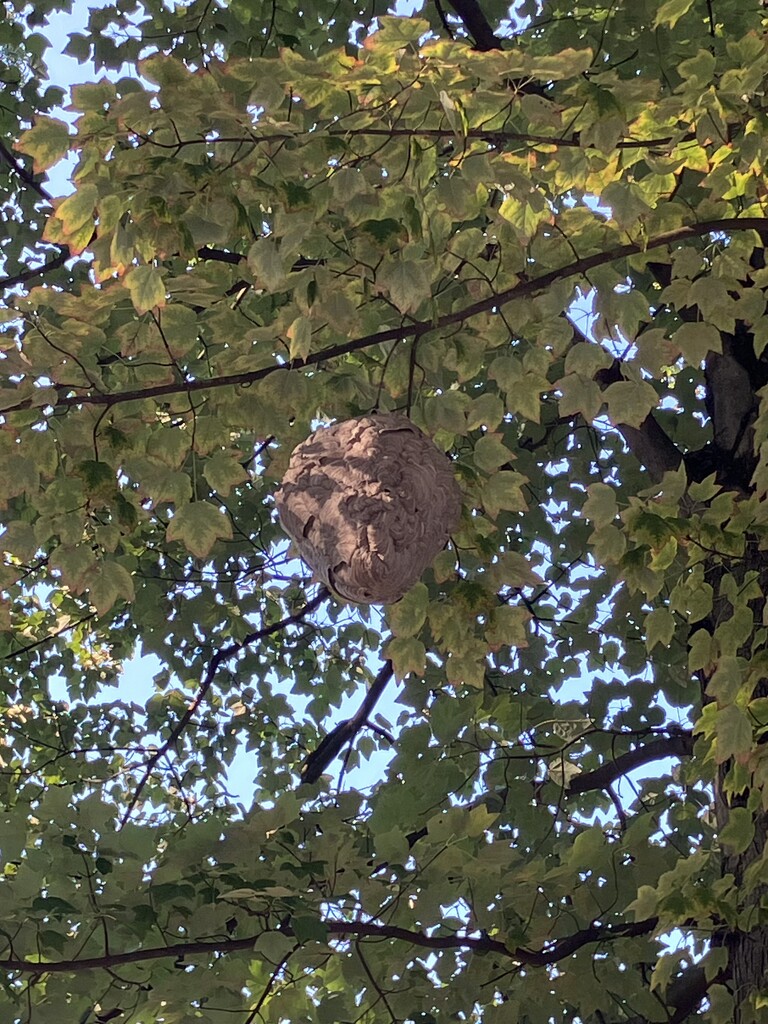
[
  {"x": 649, "y": 443},
  {"x": 223, "y": 654},
  {"x": 686, "y": 991},
  {"x": 522, "y": 289},
  {"x": 316, "y": 763},
  {"x": 551, "y": 953},
  {"x": 678, "y": 745},
  {"x": 476, "y": 24}
]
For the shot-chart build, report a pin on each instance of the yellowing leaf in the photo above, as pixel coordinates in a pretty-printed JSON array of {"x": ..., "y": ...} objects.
[
  {"x": 671, "y": 12},
  {"x": 75, "y": 565},
  {"x": 587, "y": 359},
  {"x": 513, "y": 570},
  {"x": 223, "y": 472},
  {"x": 526, "y": 213},
  {"x": 77, "y": 209},
  {"x": 106, "y": 583},
  {"x": 579, "y": 395},
  {"x": 490, "y": 453},
  {"x": 609, "y": 544},
  {"x": 630, "y": 402},
  {"x": 601, "y": 506},
  {"x": 406, "y": 616},
  {"x": 696, "y": 341},
  {"x": 565, "y": 64},
  {"x": 507, "y": 626},
  {"x": 300, "y": 337},
  {"x": 407, "y": 282},
  {"x": 407, "y": 654},
  {"x": 504, "y": 491},
  {"x": 739, "y": 831},
  {"x": 659, "y": 628},
  {"x": 47, "y": 141},
  {"x": 198, "y": 526},
  {"x": 266, "y": 264},
  {"x": 179, "y": 326},
  {"x": 733, "y": 730},
  {"x": 146, "y": 287}
]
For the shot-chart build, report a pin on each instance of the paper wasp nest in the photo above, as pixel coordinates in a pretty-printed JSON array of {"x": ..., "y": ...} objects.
[{"x": 368, "y": 503}]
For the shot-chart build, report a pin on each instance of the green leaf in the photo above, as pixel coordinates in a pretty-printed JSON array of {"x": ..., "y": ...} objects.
[
  {"x": 407, "y": 283},
  {"x": 309, "y": 929},
  {"x": 696, "y": 340},
  {"x": 733, "y": 730},
  {"x": 407, "y": 655},
  {"x": 146, "y": 287},
  {"x": 107, "y": 582},
  {"x": 739, "y": 831},
  {"x": 198, "y": 526},
  {"x": 601, "y": 505},
  {"x": 629, "y": 402},
  {"x": 223, "y": 471},
  {"x": 407, "y": 616}
]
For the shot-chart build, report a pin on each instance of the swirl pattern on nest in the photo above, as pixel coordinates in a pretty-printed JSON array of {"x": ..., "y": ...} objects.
[{"x": 369, "y": 503}]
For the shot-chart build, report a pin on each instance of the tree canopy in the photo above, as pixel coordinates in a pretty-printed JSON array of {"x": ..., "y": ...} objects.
[{"x": 538, "y": 233}]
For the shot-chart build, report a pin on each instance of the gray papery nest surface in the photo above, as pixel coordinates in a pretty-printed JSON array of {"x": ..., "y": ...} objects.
[{"x": 368, "y": 503}]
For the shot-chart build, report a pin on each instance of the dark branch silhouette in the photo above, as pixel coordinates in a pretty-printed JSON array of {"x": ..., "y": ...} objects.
[
  {"x": 24, "y": 276},
  {"x": 476, "y": 24},
  {"x": 493, "y": 136},
  {"x": 21, "y": 172},
  {"x": 316, "y": 763},
  {"x": 678, "y": 745},
  {"x": 522, "y": 289},
  {"x": 550, "y": 953}
]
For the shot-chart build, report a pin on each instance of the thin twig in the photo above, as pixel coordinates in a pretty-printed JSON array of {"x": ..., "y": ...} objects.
[{"x": 223, "y": 654}]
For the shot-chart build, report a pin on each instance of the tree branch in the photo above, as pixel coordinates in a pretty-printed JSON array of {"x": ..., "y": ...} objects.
[
  {"x": 476, "y": 24},
  {"x": 550, "y": 953},
  {"x": 223, "y": 654},
  {"x": 522, "y": 289},
  {"x": 493, "y": 136},
  {"x": 649, "y": 443},
  {"x": 23, "y": 174},
  {"x": 678, "y": 745},
  {"x": 315, "y": 763},
  {"x": 29, "y": 275}
]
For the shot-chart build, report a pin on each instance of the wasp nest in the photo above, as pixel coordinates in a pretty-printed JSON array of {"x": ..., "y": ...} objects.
[{"x": 369, "y": 503}]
